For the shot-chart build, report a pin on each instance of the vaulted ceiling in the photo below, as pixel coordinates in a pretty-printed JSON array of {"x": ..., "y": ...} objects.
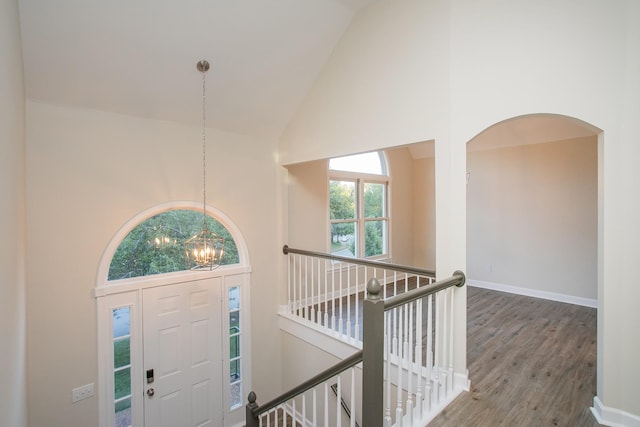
[{"x": 139, "y": 57}]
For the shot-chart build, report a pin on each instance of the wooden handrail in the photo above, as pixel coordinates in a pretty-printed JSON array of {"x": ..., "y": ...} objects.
[
  {"x": 257, "y": 410},
  {"x": 457, "y": 279},
  {"x": 366, "y": 262}
]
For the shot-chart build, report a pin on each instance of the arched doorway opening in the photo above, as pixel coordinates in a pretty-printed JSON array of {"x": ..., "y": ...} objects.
[
  {"x": 533, "y": 203},
  {"x": 532, "y": 208}
]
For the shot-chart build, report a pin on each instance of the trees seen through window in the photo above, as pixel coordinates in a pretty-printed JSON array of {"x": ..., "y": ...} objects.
[
  {"x": 156, "y": 245},
  {"x": 358, "y": 206}
]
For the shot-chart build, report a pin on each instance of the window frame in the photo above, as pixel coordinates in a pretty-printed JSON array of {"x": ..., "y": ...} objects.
[{"x": 360, "y": 179}]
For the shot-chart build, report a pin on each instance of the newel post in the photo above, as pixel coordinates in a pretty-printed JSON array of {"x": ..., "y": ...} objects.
[
  {"x": 250, "y": 419},
  {"x": 373, "y": 357}
]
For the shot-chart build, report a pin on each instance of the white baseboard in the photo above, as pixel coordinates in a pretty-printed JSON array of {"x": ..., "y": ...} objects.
[
  {"x": 570, "y": 299},
  {"x": 613, "y": 417}
]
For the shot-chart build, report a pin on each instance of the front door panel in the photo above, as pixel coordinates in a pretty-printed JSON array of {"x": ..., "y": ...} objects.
[{"x": 183, "y": 345}]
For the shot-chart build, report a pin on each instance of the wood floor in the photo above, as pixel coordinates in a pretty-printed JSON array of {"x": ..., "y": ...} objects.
[{"x": 531, "y": 362}]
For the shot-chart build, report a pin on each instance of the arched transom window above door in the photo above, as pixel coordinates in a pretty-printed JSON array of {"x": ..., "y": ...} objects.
[{"x": 156, "y": 245}]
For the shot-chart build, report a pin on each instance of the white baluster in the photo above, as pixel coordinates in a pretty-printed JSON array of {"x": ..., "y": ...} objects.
[
  {"x": 451, "y": 320},
  {"x": 352, "y": 422},
  {"x": 340, "y": 330},
  {"x": 349, "y": 334},
  {"x": 318, "y": 314},
  {"x": 395, "y": 283},
  {"x": 444, "y": 342},
  {"x": 305, "y": 299},
  {"x": 399, "y": 354},
  {"x": 418, "y": 358},
  {"x": 388, "y": 343},
  {"x": 304, "y": 408},
  {"x": 315, "y": 408},
  {"x": 437, "y": 352},
  {"x": 429, "y": 351},
  {"x": 384, "y": 284},
  {"x": 326, "y": 297},
  {"x": 299, "y": 311},
  {"x": 333, "y": 297},
  {"x": 410, "y": 350},
  {"x": 312, "y": 304},
  {"x": 338, "y": 405},
  {"x": 293, "y": 412},
  {"x": 289, "y": 305},
  {"x": 326, "y": 404},
  {"x": 357, "y": 302}
]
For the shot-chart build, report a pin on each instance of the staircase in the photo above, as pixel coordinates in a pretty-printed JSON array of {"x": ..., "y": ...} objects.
[{"x": 402, "y": 376}]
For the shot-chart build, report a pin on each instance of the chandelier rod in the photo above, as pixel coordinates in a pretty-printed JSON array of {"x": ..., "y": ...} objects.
[{"x": 203, "y": 67}]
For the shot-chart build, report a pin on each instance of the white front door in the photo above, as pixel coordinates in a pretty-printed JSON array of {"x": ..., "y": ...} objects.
[{"x": 182, "y": 346}]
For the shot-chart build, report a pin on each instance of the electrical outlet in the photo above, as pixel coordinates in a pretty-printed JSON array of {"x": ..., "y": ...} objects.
[{"x": 81, "y": 392}]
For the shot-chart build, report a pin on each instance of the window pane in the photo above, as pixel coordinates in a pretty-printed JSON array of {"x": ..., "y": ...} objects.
[
  {"x": 234, "y": 346},
  {"x": 123, "y": 413},
  {"x": 236, "y": 395},
  {"x": 234, "y": 370},
  {"x": 344, "y": 239},
  {"x": 121, "y": 352},
  {"x": 342, "y": 199},
  {"x": 363, "y": 163},
  {"x": 234, "y": 298},
  {"x": 156, "y": 245},
  {"x": 374, "y": 239},
  {"x": 234, "y": 322},
  {"x": 122, "y": 383},
  {"x": 373, "y": 200},
  {"x": 121, "y": 322}
]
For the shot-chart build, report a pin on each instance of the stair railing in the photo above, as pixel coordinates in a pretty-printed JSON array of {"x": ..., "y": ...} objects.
[
  {"x": 414, "y": 345},
  {"x": 328, "y": 290},
  {"x": 283, "y": 408}
]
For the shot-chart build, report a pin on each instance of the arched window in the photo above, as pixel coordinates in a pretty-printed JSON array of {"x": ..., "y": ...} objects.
[
  {"x": 358, "y": 205},
  {"x": 156, "y": 245}
]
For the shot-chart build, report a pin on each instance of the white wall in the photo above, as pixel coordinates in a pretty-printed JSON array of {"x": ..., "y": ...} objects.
[
  {"x": 308, "y": 187},
  {"x": 382, "y": 87},
  {"x": 13, "y": 412},
  {"x": 89, "y": 173},
  {"x": 419, "y": 70},
  {"x": 401, "y": 204},
  {"x": 424, "y": 213},
  {"x": 532, "y": 217}
]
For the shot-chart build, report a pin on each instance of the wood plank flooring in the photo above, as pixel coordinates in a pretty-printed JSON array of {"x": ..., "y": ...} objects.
[{"x": 531, "y": 362}]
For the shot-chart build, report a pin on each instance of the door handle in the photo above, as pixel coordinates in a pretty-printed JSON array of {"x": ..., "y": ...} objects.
[{"x": 151, "y": 392}]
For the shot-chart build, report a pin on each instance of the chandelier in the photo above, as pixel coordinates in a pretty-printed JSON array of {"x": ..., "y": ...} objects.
[{"x": 204, "y": 250}]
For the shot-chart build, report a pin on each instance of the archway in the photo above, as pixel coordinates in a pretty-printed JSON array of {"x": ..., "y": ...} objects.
[{"x": 533, "y": 203}]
